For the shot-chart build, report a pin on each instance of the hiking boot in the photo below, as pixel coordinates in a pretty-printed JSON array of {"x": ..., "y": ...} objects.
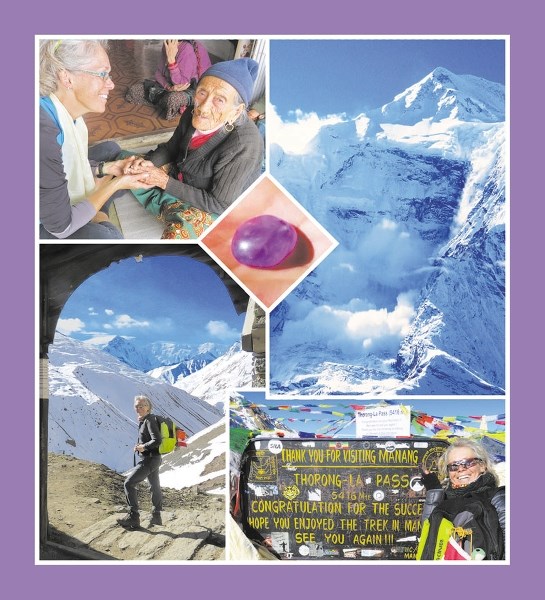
[
  {"x": 132, "y": 521},
  {"x": 156, "y": 519}
]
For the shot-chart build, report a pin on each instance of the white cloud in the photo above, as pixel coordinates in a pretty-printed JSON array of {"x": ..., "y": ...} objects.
[
  {"x": 92, "y": 312},
  {"x": 221, "y": 330},
  {"x": 390, "y": 254},
  {"x": 294, "y": 136},
  {"x": 109, "y": 311},
  {"x": 357, "y": 331},
  {"x": 379, "y": 263},
  {"x": 126, "y": 321},
  {"x": 68, "y": 326},
  {"x": 375, "y": 324}
]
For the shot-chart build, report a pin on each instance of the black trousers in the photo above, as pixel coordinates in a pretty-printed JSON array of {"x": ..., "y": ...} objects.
[{"x": 147, "y": 468}]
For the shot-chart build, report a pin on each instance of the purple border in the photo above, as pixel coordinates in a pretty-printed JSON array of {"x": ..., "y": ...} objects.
[{"x": 282, "y": 17}]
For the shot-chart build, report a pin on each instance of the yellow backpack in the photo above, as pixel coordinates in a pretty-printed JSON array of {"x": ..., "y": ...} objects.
[{"x": 168, "y": 434}]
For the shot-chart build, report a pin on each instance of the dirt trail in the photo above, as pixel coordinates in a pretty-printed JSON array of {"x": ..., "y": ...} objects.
[{"x": 85, "y": 500}]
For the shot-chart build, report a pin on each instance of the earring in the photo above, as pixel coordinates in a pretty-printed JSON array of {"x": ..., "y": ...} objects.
[{"x": 229, "y": 127}]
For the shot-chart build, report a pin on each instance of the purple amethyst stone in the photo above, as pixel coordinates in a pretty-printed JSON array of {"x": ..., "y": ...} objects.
[{"x": 263, "y": 241}]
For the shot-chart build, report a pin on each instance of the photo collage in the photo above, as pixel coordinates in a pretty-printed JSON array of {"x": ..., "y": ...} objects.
[{"x": 273, "y": 280}]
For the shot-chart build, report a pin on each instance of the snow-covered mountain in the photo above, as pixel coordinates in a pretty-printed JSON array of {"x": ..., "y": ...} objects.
[
  {"x": 444, "y": 95},
  {"x": 164, "y": 354},
  {"x": 215, "y": 381},
  {"x": 127, "y": 352},
  {"x": 202, "y": 462},
  {"x": 172, "y": 373},
  {"x": 413, "y": 298},
  {"x": 167, "y": 353},
  {"x": 91, "y": 414},
  {"x": 253, "y": 418}
]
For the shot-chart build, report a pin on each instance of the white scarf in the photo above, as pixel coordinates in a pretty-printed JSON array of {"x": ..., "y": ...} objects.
[{"x": 75, "y": 154}]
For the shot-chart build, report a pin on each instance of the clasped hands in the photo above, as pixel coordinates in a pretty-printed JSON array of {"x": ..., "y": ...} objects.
[{"x": 151, "y": 176}]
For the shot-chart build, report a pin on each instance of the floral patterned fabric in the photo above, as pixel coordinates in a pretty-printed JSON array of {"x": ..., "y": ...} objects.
[{"x": 184, "y": 221}]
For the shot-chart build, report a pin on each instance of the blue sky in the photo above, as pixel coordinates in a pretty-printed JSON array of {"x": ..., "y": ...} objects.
[
  {"x": 351, "y": 76},
  {"x": 436, "y": 408},
  {"x": 166, "y": 298}
]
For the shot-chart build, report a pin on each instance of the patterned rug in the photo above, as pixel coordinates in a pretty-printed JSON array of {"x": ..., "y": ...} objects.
[{"x": 131, "y": 61}]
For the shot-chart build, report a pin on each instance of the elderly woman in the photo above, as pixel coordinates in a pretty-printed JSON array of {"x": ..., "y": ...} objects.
[
  {"x": 149, "y": 440},
  {"x": 77, "y": 184},
  {"x": 470, "y": 478},
  {"x": 214, "y": 154}
]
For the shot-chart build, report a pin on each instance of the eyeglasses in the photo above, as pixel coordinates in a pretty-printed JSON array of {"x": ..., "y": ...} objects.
[
  {"x": 104, "y": 75},
  {"x": 466, "y": 463}
]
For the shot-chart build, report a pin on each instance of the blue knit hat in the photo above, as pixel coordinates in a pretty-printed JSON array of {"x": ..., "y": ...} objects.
[{"x": 241, "y": 73}]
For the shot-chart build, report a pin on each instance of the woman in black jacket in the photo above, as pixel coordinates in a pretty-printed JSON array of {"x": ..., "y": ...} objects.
[
  {"x": 468, "y": 476},
  {"x": 214, "y": 154}
]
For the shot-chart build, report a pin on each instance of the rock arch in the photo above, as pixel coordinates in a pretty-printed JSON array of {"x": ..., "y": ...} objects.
[{"x": 62, "y": 269}]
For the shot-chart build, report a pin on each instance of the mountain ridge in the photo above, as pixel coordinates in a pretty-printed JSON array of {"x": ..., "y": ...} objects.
[{"x": 418, "y": 206}]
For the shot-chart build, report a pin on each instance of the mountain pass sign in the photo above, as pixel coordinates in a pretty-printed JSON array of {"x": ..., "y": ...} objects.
[{"x": 336, "y": 499}]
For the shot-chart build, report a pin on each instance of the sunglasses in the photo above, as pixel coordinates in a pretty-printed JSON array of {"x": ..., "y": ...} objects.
[{"x": 466, "y": 463}]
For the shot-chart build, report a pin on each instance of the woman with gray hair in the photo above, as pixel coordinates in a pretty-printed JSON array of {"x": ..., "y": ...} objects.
[
  {"x": 466, "y": 475},
  {"x": 77, "y": 183},
  {"x": 149, "y": 440}
]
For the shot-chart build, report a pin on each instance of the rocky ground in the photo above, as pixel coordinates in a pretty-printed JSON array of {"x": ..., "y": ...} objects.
[{"x": 85, "y": 500}]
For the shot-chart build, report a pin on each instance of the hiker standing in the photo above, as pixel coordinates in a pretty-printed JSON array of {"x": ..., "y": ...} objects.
[
  {"x": 149, "y": 440},
  {"x": 470, "y": 478}
]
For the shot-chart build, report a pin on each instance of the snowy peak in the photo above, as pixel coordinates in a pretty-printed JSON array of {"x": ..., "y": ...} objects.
[
  {"x": 247, "y": 415},
  {"x": 167, "y": 353},
  {"x": 208, "y": 348},
  {"x": 443, "y": 95},
  {"x": 127, "y": 352},
  {"x": 171, "y": 353},
  {"x": 205, "y": 354},
  {"x": 164, "y": 357},
  {"x": 171, "y": 373},
  {"x": 214, "y": 382}
]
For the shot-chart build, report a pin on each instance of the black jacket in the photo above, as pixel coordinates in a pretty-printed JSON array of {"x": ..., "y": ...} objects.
[
  {"x": 215, "y": 174},
  {"x": 149, "y": 434},
  {"x": 435, "y": 497}
]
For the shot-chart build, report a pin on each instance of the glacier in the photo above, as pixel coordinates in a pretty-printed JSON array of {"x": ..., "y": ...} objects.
[{"x": 412, "y": 301}]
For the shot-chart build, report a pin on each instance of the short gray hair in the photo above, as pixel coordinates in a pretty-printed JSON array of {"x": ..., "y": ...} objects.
[
  {"x": 478, "y": 450},
  {"x": 56, "y": 55},
  {"x": 144, "y": 399}
]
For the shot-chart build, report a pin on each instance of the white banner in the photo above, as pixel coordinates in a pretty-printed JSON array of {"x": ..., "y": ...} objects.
[{"x": 383, "y": 421}]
